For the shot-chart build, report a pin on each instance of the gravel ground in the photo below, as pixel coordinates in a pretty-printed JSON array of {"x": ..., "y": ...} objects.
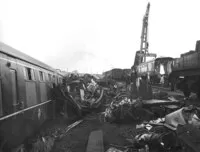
[{"x": 77, "y": 138}]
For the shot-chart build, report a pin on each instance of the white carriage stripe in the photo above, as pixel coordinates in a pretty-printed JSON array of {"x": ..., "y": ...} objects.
[
  {"x": 29, "y": 65},
  {"x": 21, "y": 111}
]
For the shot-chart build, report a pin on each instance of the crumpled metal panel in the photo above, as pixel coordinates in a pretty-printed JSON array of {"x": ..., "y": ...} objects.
[{"x": 189, "y": 137}]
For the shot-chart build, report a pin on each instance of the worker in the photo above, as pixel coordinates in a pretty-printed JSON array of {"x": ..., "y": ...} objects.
[
  {"x": 134, "y": 92},
  {"x": 148, "y": 78},
  {"x": 162, "y": 81},
  {"x": 145, "y": 90},
  {"x": 58, "y": 94}
]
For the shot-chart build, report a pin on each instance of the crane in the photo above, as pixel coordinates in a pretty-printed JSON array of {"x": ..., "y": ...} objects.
[{"x": 141, "y": 55}]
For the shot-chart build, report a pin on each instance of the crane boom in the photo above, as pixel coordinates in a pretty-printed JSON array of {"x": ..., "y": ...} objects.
[
  {"x": 144, "y": 45},
  {"x": 144, "y": 36}
]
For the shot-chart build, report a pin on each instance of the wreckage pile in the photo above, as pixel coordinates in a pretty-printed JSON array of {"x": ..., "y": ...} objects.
[
  {"x": 123, "y": 107},
  {"x": 177, "y": 131},
  {"x": 163, "y": 122},
  {"x": 81, "y": 93}
]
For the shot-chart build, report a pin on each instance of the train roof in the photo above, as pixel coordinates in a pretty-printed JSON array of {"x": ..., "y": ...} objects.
[
  {"x": 4, "y": 48},
  {"x": 157, "y": 59}
]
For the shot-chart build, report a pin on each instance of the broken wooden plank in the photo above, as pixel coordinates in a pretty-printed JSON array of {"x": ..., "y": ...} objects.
[
  {"x": 72, "y": 125},
  {"x": 95, "y": 142},
  {"x": 155, "y": 102},
  {"x": 69, "y": 128}
]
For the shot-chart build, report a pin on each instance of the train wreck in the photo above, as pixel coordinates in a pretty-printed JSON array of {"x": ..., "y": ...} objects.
[
  {"x": 122, "y": 110},
  {"x": 153, "y": 106},
  {"x": 160, "y": 123},
  {"x": 81, "y": 93}
]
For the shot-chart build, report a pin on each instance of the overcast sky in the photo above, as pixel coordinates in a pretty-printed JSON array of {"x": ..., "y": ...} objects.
[{"x": 97, "y": 35}]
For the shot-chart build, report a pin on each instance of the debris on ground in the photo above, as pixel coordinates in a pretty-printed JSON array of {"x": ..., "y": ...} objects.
[
  {"x": 122, "y": 108},
  {"x": 43, "y": 144},
  {"x": 156, "y": 121},
  {"x": 112, "y": 149},
  {"x": 44, "y": 141},
  {"x": 160, "y": 95},
  {"x": 171, "y": 133}
]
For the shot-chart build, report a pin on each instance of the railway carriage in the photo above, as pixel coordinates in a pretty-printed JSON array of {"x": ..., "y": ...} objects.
[
  {"x": 155, "y": 69},
  {"x": 185, "y": 73},
  {"x": 25, "y": 95}
]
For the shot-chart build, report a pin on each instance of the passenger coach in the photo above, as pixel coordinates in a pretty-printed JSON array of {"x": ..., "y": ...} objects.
[
  {"x": 155, "y": 68},
  {"x": 25, "y": 98}
]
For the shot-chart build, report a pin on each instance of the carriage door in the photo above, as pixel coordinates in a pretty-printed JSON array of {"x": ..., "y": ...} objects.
[
  {"x": 43, "y": 87},
  {"x": 13, "y": 76},
  {"x": 13, "y": 84},
  {"x": 54, "y": 80},
  {"x": 10, "y": 93}
]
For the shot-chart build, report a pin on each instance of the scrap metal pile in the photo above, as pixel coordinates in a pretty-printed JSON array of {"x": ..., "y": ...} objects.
[
  {"x": 123, "y": 107},
  {"x": 84, "y": 91},
  {"x": 163, "y": 123},
  {"x": 177, "y": 131}
]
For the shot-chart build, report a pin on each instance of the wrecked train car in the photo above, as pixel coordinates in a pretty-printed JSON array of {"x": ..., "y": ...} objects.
[
  {"x": 185, "y": 73},
  {"x": 25, "y": 98},
  {"x": 85, "y": 93},
  {"x": 155, "y": 69}
]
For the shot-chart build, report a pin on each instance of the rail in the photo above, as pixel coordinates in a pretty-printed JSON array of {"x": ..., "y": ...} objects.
[{"x": 21, "y": 111}]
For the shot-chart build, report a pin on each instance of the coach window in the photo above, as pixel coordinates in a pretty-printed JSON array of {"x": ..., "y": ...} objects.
[
  {"x": 54, "y": 78},
  {"x": 49, "y": 77},
  {"x": 46, "y": 76},
  {"x": 29, "y": 74},
  {"x": 41, "y": 76}
]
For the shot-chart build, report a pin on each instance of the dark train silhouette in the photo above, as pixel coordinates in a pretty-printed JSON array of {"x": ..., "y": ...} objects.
[
  {"x": 181, "y": 73},
  {"x": 185, "y": 73},
  {"x": 25, "y": 98}
]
